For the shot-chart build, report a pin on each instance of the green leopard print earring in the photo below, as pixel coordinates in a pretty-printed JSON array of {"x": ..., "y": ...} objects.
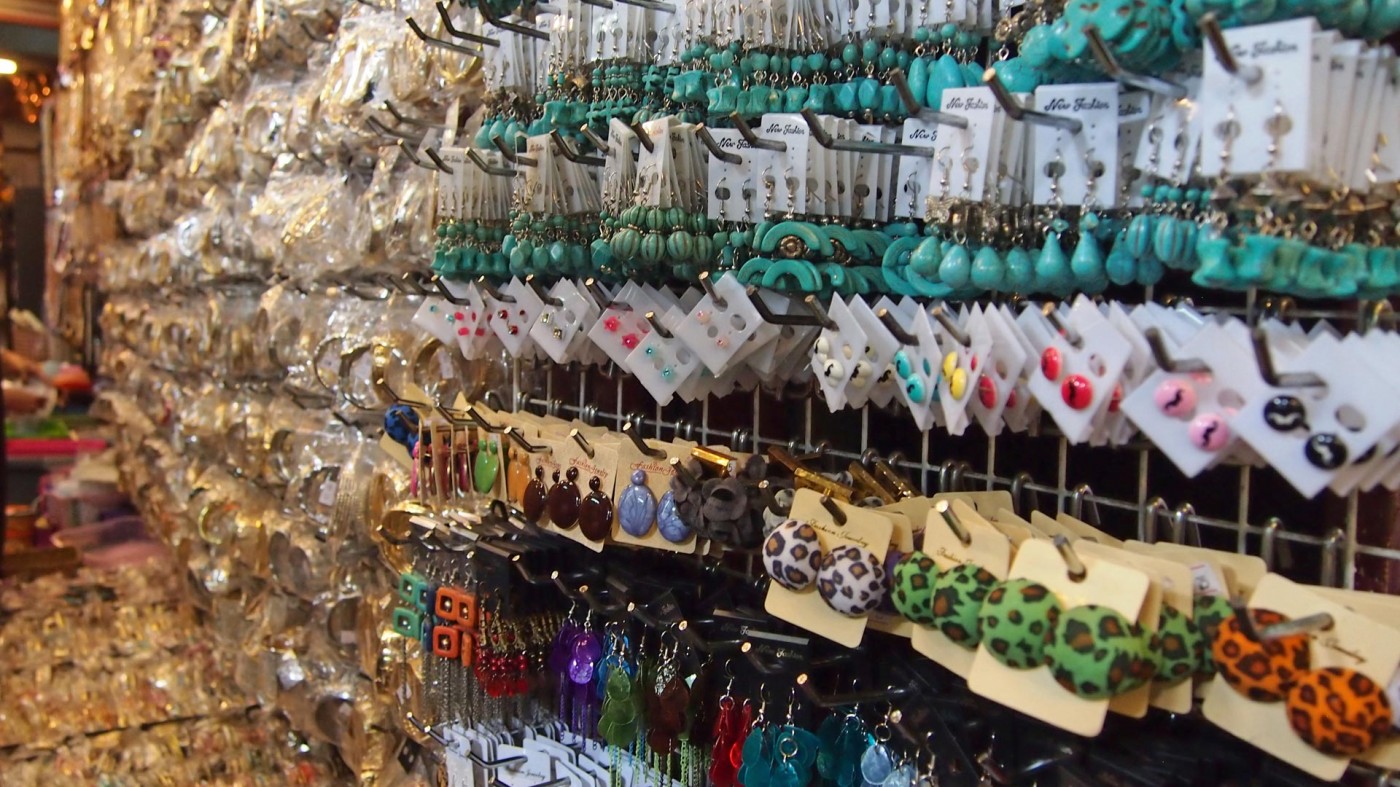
[
  {"x": 957, "y": 602},
  {"x": 914, "y": 577},
  {"x": 1014, "y": 620},
  {"x": 1211, "y": 611},
  {"x": 1181, "y": 650},
  {"x": 1096, "y": 653}
]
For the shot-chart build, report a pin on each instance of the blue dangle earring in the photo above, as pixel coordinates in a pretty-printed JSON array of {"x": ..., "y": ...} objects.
[
  {"x": 636, "y": 507},
  {"x": 669, "y": 522}
]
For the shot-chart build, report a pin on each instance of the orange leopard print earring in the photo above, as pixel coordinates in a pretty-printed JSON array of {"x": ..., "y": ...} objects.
[
  {"x": 1262, "y": 671},
  {"x": 1338, "y": 711}
]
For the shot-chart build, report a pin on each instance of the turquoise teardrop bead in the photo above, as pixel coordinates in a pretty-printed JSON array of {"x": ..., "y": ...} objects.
[
  {"x": 1149, "y": 271},
  {"x": 927, "y": 257},
  {"x": 987, "y": 269},
  {"x": 1020, "y": 271},
  {"x": 956, "y": 267},
  {"x": 1121, "y": 266},
  {"x": 1052, "y": 273},
  {"x": 1087, "y": 264}
]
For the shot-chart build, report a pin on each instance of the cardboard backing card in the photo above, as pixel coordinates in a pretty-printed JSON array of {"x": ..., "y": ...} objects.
[
  {"x": 1034, "y": 691},
  {"x": 807, "y": 609}
]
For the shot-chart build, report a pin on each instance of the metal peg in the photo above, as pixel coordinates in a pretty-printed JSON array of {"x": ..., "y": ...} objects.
[
  {"x": 954, "y": 524},
  {"x": 1320, "y": 621},
  {"x": 438, "y": 42},
  {"x": 1164, "y": 359},
  {"x": 462, "y": 34},
  {"x": 657, "y": 326},
  {"x": 708, "y": 285},
  {"x": 1215, "y": 37},
  {"x": 519, "y": 438},
  {"x": 490, "y": 169},
  {"x": 508, "y": 151},
  {"x": 708, "y": 140},
  {"x": 1015, "y": 111},
  {"x": 814, "y": 125},
  {"x": 629, "y": 430},
  {"x": 753, "y": 139},
  {"x": 911, "y": 104},
  {"x": 1110, "y": 65},
  {"x": 569, "y": 152},
  {"x": 577, "y": 437},
  {"x": 940, "y": 313},
  {"x": 1073, "y": 564},
  {"x": 892, "y": 325},
  {"x": 1264, "y": 358},
  {"x": 643, "y": 137},
  {"x": 834, "y": 508}
]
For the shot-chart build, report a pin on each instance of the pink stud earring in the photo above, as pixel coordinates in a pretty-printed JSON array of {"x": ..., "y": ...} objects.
[
  {"x": 1176, "y": 398},
  {"x": 702, "y": 317},
  {"x": 1209, "y": 432}
]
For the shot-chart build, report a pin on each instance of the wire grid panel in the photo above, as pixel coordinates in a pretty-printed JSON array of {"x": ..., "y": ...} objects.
[{"x": 1133, "y": 491}]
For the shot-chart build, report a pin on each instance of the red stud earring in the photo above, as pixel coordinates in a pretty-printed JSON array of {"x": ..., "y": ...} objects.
[
  {"x": 1050, "y": 363},
  {"x": 1077, "y": 391}
]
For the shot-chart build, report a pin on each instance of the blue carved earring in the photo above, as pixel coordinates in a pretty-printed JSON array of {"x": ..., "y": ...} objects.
[
  {"x": 669, "y": 522},
  {"x": 636, "y": 508}
]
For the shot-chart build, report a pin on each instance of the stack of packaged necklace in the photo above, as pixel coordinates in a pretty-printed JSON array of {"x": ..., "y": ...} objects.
[
  {"x": 671, "y": 392},
  {"x": 108, "y": 677}
]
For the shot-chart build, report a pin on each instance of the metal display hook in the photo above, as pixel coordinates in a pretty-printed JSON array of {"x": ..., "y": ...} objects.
[
  {"x": 1017, "y": 112},
  {"x": 462, "y": 34}
]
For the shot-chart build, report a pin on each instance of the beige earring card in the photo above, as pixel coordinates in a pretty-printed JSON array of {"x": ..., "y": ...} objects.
[
  {"x": 1034, "y": 691},
  {"x": 986, "y": 548},
  {"x": 901, "y": 539},
  {"x": 1171, "y": 586},
  {"x": 807, "y": 609},
  {"x": 1354, "y": 642}
]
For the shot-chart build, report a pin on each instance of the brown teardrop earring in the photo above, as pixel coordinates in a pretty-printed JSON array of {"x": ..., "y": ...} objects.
[
  {"x": 517, "y": 477},
  {"x": 563, "y": 499},
  {"x": 533, "y": 499},
  {"x": 596, "y": 512}
]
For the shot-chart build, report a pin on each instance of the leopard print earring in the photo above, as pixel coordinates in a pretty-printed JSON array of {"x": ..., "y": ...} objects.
[
  {"x": 1014, "y": 619},
  {"x": 852, "y": 580},
  {"x": 957, "y": 599},
  {"x": 1096, "y": 653},
  {"x": 1181, "y": 650},
  {"x": 792, "y": 554},
  {"x": 914, "y": 577},
  {"x": 1261, "y": 671},
  {"x": 1338, "y": 711}
]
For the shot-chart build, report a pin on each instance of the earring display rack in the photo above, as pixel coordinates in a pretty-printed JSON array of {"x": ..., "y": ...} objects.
[{"x": 1247, "y": 512}]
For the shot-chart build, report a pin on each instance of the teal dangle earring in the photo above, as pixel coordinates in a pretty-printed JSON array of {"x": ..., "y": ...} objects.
[
  {"x": 1052, "y": 272},
  {"x": 1087, "y": 264}
]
